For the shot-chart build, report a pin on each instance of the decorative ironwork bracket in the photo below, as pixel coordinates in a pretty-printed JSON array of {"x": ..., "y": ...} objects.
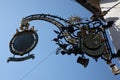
[{"x": 75, "y": 36}]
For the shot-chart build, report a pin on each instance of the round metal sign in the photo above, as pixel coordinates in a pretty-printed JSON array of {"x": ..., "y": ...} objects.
[
  {"x": 23, "y": 42},
  {"x": 92, "y": 45}
]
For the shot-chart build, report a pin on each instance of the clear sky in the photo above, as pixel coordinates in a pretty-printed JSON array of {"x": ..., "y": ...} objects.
[{"x": 54, "y": 67}]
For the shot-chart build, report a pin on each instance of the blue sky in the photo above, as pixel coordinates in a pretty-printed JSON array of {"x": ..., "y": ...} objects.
[{"x": 55, "y": 67}]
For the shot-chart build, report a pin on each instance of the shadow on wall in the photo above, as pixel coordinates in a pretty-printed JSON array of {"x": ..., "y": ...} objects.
[
  {"x": 112, "y": 19},
  {"x": 115, "y": 32},
  {"x": 107, "y": 1}
]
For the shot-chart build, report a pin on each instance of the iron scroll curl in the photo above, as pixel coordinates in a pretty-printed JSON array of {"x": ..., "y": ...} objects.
[
  {"x": 26, "y": 38},
  {"x": 67, "y": 39},
  {"x": 71, "y": 38}
]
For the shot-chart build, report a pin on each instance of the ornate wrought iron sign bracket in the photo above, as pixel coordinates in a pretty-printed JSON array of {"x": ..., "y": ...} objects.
[{"x": 75, "y": 36}]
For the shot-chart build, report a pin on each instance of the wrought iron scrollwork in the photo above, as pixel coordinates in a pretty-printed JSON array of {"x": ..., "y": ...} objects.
[{"x": 75, "y": 36}]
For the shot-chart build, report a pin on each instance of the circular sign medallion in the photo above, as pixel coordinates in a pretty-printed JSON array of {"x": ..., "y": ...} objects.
[
  {"x": 23, "y": 42},
  {"x": 92, "y": 45}
]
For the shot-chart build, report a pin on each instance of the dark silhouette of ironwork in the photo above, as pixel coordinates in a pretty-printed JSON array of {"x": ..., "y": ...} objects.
[
  {"x": 94, "y": 7},
  {"x": 75, "y": 36}
]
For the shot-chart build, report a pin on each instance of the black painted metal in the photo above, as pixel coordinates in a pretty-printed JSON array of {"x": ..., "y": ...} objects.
[
  {"x": 31, "y": 56},
  {"x": 23, "y": 42},
  {"x": 72, "y": 38}
]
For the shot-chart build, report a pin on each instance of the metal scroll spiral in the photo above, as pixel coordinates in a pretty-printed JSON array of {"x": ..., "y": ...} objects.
[
  {"x": 72, "y": 34},
  {"x": 75, "y": 36}
]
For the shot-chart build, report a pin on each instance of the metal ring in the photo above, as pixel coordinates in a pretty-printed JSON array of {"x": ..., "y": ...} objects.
[{"x": 23, "y": 42}]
